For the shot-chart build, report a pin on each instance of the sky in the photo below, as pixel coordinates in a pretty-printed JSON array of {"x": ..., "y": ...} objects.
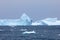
[{"x": 35, "y": 9}]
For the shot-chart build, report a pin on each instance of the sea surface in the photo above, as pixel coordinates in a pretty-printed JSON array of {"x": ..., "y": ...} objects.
[{"x": 26, "y": 32}]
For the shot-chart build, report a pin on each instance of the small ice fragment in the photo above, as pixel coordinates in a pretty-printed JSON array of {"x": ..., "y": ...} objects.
[{"x": 29, "y": 32}]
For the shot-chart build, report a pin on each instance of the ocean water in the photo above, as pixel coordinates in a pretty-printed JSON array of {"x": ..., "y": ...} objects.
[{"x": 41, "y": 32}]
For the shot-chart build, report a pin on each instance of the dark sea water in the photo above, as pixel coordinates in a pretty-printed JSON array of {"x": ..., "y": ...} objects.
[{"x": 41, "y": 33}]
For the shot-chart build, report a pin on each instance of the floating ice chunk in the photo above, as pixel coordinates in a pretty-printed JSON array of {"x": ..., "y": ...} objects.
[{"x": 29, "y": 32}]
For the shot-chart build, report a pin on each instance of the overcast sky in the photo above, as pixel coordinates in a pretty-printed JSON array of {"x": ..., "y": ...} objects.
[{"x": 36, "y": 9}]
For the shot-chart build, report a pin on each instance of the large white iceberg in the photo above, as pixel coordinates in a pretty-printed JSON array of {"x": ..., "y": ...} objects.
[
  {"x": 24, "y": 20},
  {"x": 51, "y": 21},
  {"x": 47, "y": 21}
]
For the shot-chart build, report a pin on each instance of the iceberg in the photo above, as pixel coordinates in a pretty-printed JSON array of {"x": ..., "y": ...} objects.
[
  {"x": 51, "y": 21},
  {"x": 24, "y": 20},
  {"x": 47, "y": 21},
  {"x": 29, "y": 32}
]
